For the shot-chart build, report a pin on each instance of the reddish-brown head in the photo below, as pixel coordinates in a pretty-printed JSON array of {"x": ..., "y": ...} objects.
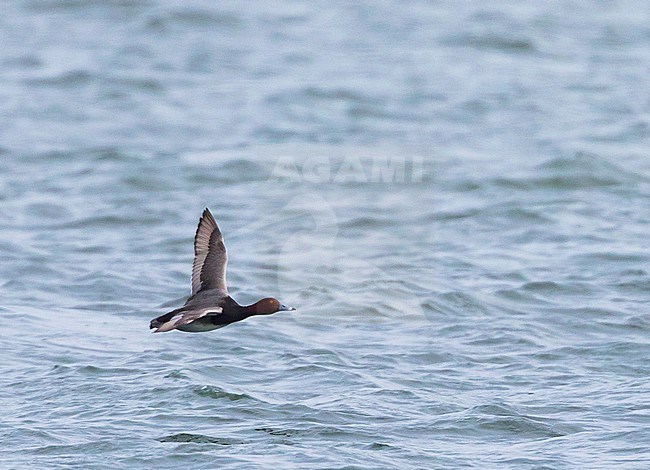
[{"x": 268, "y": 306}]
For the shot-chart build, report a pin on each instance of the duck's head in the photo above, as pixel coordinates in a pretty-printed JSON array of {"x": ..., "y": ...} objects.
[{"x": 268, "y": 306}]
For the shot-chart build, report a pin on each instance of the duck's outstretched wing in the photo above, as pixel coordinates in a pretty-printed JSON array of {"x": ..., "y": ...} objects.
[
  {"x": 210, "y": 258},
  {"x": 179, "y": 317}
]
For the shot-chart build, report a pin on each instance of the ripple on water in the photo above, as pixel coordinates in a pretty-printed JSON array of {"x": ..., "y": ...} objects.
[
  {"x": 503, "y": 43},
  {"x": 211, "y": 391},
  {"x": 503, "y": 421},
  {"x": 491, "y": 311},
  {"x": 583, "y": 171},
  {"x": 185, "y": 437}
]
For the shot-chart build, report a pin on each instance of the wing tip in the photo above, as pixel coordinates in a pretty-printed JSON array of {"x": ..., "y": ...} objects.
[
  {"x": 206, "y": 222},
  {"x": 207, "y": 214}
]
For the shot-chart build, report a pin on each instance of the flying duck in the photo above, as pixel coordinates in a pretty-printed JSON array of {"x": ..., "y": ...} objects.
[{"x": 210, "y": 307}]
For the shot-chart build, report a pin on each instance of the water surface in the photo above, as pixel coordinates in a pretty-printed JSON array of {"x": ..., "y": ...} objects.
[{"x": 454, "y": 196}]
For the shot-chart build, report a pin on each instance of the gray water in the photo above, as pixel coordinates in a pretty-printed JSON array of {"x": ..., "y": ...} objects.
[{"x": 455, "y": 196}]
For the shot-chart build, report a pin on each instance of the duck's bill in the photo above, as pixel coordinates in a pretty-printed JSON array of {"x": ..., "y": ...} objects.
[{"x": 285, "y": 308}]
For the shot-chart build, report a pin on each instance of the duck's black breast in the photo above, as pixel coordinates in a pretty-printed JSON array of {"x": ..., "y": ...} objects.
[{"x": 231, "y": 312}]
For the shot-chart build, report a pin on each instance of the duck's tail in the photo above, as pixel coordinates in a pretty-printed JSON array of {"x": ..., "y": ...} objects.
[{"x": 163, "y": 323}]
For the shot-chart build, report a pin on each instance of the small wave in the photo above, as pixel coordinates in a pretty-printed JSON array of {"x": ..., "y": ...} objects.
[
  {"x": 211, "y": 391},
  {"x": 224, "y": 167},
  {"x": 504, "y": 419},
  {"x": 367, "y": 222},
  {"x": 48, "y": 210},
  {"x": 72, "y": 78},
  {"x": 461, "y": 303},
  {"x": 106, "y": 221},
  {"x": 185, "y": 437},
  {"x": 551, "y": 287},
  {"x": 146, "y": 84},
  {"x": 492, "y": 41},
  {"x": 379, "y": 446},
  {"x": 279, "y": 432}
]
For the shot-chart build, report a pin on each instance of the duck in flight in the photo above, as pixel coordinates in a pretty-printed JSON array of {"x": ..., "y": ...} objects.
[{"x": 210, "y": 307}]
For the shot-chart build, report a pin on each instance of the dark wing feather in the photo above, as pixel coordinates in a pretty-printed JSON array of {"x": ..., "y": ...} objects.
[
  {"x": 210, "y": 258},
  {"x": 179, "y": 317}
]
